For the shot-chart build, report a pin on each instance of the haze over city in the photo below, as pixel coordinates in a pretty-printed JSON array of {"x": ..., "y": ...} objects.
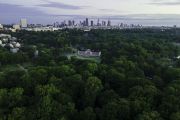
[{"x": 49, "y": 11}]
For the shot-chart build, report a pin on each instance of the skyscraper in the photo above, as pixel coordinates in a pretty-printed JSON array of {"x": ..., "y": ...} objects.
[
  {"x": 98, "y": 23},
  {"x": 92, "y": 23},
  {"x": 23, "y": 23},
  {"x": 109, "y": 23},
  {"x": 87, "y": 22},
  {"x": 73, "y": 22},
  {"x": 56, "y": 24},
  {"x": 69, "y": 23},
  {"x": 103, "y": 23}
]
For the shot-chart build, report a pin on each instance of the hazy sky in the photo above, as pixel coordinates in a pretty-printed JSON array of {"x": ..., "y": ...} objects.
[
  {"x": 49, "y": 11},
  {"x": 88, "y": 7}
]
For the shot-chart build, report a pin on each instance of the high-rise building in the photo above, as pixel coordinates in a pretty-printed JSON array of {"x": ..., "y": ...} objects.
[
  {"x": 23, "y": 23},
  {"x": 121, "y": 25},
  {"x": 84, "y": 23},
  {"x": 73, "y": 22},
  {"x": 92, "y": 23},
  {"x": 87, "y": 22},
  {"x": 98, "y": 23},
  {"x": 56, "y": 24},
  {"x": 109, "y": 23},
  {"x": 69, "y": 23},
  {"x": 103, "y": 23}
]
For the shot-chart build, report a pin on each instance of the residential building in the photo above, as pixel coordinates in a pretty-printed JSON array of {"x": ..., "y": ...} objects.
[
  {"x": 1, "y": 26},
  {"x": 16, "y": 27},
  {"x": 89, "y": 53},
  {"x": 36, "y": 53}
]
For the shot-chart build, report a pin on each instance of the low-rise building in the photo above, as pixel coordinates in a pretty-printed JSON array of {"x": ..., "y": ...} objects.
[
  {"x": 10, "y": 43},
  {"x": 14, "y": 50},
  {"x": 16, "y": 27},
  {"x": 89, "y": 53},
  {"x": 1, "y": 26},
  {"x": 36, "y": 53},
  {"x": 5, "y": 36},
  {"x": 178, "y": 57}
]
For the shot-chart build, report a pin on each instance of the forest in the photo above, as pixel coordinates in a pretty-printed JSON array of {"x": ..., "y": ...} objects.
[{"x": 137, "y": 78}]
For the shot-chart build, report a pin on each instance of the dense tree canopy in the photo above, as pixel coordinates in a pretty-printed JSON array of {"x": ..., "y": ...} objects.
[{"x": 137, "y": 78}]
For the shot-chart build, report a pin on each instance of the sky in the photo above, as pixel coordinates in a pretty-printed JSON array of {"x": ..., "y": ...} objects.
[{"x": 11, "y": 9}]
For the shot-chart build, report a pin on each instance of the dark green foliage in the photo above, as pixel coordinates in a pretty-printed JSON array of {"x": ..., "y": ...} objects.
[{"x": 138, "y": 77}]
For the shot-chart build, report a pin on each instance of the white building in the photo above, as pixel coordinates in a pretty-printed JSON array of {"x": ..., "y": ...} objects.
[
  {"x": 16, "y": 27},
  {"x": 89, "y": 53},
  {"x": 14, "y": 50},
  {"x": 1, "y": 26},
  {"x": 5, "y": 36},
  {"x": 17, "y": 45},
  {"x": 10, "y": 43},
  {"x": 23, "y": 23},
  {"x": 36, "y": 53},
  {"x": 178, "y": 57}
]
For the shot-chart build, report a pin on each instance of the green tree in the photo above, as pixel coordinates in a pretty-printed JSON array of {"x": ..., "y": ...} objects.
[
  {"x": 92, "y": 88},
  {"x": 154, "y": 115}
]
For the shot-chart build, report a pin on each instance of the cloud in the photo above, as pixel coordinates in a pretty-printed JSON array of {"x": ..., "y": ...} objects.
[
  {"x": 18, "y": 10},
  {"x": 165, "y": 3},
  {"x": 109, "y": 10},
  {"x": 62, "y": 6}
]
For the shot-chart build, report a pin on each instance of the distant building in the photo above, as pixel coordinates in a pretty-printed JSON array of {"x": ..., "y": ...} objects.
[
  {"x": 16, "y": 27},
  {"x": 69, "y": 23},
  {"x": 178, "y": 57},
  {"x": 9, "y": 43},
  {"x": 73, "y": 22},
  {"x": 17, "y": 45},
  {"x": 87, "y": 22},
  {"x": 89, "y": 53},
  {"x": 109, "y": 23},
  {"x": 36, "y": 53},
  {"x": 103, "y": 23},
  {"x": 23, "y": 23},
  {"x": 92, "y": 23},
  {"x": 1, "y": 26},
  {"x": 14, "y": 50},
  {"x": 98, "y": 23},
  {"x": 56, "y": 24},
  {"x": 5, "y": 36}
]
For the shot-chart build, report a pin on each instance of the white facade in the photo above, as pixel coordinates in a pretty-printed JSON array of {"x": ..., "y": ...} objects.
[
  {"x": 5, "y": 35},
  {"x": 89, "y": 53},
  {"x": 36, "y": 53},
  {"x": 16, "y": 27},
  {"x": 14, "y": 50},
  {"x": 9, "y": 42},
  {"x": 1, "y": 26},
  {"x": 17, "y": 45},
  {"x": 23, "y": 23}
]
